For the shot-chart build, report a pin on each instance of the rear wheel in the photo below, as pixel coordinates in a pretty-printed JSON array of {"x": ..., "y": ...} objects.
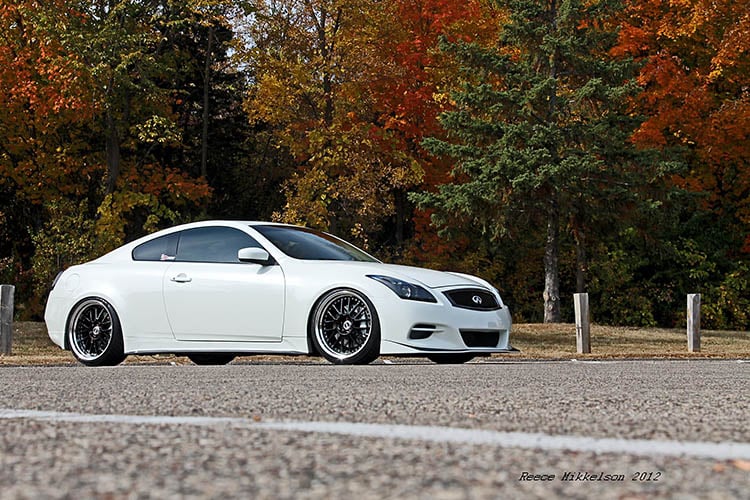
[
  {"x": 451, "y": 359},
  {"x": 345, "y": 328},
  {"x": 210, "y": 358},
  {"x": 94, "y": 333}
]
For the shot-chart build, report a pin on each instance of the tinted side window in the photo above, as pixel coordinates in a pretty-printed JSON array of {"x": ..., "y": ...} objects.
[
  {"x": 163, "y": 248},
  {"x": 212, "y": 244}
]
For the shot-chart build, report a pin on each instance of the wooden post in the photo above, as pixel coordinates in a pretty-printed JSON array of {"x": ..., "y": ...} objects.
[
  {"x": 694, "y": 322},
  {"x": 583, "y": 326},
  {"x": 6, "y": 318}
]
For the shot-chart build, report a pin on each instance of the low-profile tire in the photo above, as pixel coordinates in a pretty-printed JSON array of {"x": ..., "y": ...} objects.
[
  {"x": 94, "y": 333},
  {"x": 451, "y": 359},
  {"x": 201, "y": 358},
  {"x": 345, "y": 328}
]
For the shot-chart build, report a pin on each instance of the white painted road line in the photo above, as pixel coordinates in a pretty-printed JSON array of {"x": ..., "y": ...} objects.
[{"x": 532, "y": 441}]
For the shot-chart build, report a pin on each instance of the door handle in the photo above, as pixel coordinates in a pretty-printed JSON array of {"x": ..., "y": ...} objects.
[{"x": 181, "y": 278}]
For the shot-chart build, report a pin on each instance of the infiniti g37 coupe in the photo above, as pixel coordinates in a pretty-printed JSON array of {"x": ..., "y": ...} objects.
[{"x": 217, "y": 289}]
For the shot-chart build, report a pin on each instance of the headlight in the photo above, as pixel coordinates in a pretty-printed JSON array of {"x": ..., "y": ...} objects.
[{"x": 408, "y": 291}]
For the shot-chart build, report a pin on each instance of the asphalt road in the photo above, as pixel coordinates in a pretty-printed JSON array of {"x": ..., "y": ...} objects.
[{"x": 231, "y": 443}]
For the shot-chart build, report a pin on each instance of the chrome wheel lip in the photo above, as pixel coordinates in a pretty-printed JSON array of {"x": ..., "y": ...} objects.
[
  {"x": 91, "y": 323},
  {"x": 343, "y": 313}
]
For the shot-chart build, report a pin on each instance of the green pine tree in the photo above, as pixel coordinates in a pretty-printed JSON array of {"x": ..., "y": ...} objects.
[{"x": 539, "y": 132}]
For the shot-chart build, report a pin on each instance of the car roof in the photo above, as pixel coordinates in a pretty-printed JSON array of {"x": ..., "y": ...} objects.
[{"x": 127, "y": 248}]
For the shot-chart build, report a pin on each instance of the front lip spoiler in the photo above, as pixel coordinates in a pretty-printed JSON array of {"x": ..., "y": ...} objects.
[{"x": 478, "y": 350}]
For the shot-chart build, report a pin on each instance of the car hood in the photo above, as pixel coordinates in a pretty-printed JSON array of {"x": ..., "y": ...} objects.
[{"x": 427, "y": 277}]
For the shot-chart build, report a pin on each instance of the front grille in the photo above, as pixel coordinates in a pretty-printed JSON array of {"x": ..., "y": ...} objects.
[
  {"x": 473, "y": 298},
  {"x": 480, "y": 338}
]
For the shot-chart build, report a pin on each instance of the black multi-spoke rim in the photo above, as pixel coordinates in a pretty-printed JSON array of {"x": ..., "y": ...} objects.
[
  {"x": 91, "y": 330},
  {"x": 344, "y": 324}
]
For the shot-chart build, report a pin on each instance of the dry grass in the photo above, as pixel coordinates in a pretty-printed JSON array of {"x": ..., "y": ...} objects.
[
  {"x": 559, "y": 341},
  {"x": 31, "y": 346}
]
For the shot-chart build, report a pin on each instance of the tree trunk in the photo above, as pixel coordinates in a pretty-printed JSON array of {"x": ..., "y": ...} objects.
[
  {"x": 552, "y": 246},
  {"x": 581, "y": 261},
  {"x": 206, "y": 92},
  {"x": 112, "y": 152},
  {"x": 551, "y": 264},
  {"x": 399, "y": 196}
]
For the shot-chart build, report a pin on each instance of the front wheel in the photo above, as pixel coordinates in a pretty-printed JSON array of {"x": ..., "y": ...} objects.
[
  {"x": 451, "y": 359},
  {"x": 94, "y": 333},
  {"x": 345, "y": 328}
]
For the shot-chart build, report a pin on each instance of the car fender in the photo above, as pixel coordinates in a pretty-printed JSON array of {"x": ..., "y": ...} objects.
[{"x": 303, "y": 294}]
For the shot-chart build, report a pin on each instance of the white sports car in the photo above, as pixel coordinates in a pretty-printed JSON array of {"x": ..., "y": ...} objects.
[{"x": 217, "y": 289}]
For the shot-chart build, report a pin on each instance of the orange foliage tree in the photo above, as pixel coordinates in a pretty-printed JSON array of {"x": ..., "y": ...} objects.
[
  {"x": 696, "y": 100},
  {"x": 696, "y": 80},
  {"x": 415, "y": 91},
  {"x": 66, "y": 69},
  {"x": 44, "y": 97},
  {"x": 43, "y": 151},
  {"x": 349, "y": 89}
]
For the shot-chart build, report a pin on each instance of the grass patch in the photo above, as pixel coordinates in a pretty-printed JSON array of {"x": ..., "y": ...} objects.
[
  {"x": 32, "y": 346},
  {"x": 559, "y": 341}
]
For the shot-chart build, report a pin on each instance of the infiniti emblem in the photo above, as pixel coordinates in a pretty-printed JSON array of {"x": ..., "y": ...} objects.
[{"x": 477, "y": 299}]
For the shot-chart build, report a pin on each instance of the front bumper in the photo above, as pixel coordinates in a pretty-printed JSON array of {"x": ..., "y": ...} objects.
[{"x": 426, "y": 328}]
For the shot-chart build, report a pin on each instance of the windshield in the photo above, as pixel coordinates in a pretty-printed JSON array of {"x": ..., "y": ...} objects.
[{"x": 308, "y": 244}]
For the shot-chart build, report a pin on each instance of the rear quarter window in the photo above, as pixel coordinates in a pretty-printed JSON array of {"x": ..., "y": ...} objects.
[{"x": 162, "y": 249}]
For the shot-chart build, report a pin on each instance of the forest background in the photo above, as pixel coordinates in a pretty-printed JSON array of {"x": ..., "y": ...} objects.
[{"x": 549, "y": 146}]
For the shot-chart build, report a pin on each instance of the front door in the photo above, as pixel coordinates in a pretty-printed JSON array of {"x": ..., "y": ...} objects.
[{"x": 210, "y": 296}]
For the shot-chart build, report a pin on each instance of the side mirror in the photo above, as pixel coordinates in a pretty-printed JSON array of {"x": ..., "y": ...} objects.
[{"x": 255, "y": 256}]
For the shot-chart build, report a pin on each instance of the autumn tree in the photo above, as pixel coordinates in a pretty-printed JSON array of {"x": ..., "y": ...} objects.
[
  {"x": 216, "y": 142},
  {"x": 539, "y": 134},
  {"x": 695, "y": 64},
  {"x": 128, "y": 50},
  {"x": 409, "y": 90},
  {"x": 123, "y": 43},
  {"x": 45, "y": 100},
  {"x": 90, "y": 90},
  {"x": 308, "y": 58},
  {"x": 696, "y": 61},
  {"x": 347, "y": 88}
]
